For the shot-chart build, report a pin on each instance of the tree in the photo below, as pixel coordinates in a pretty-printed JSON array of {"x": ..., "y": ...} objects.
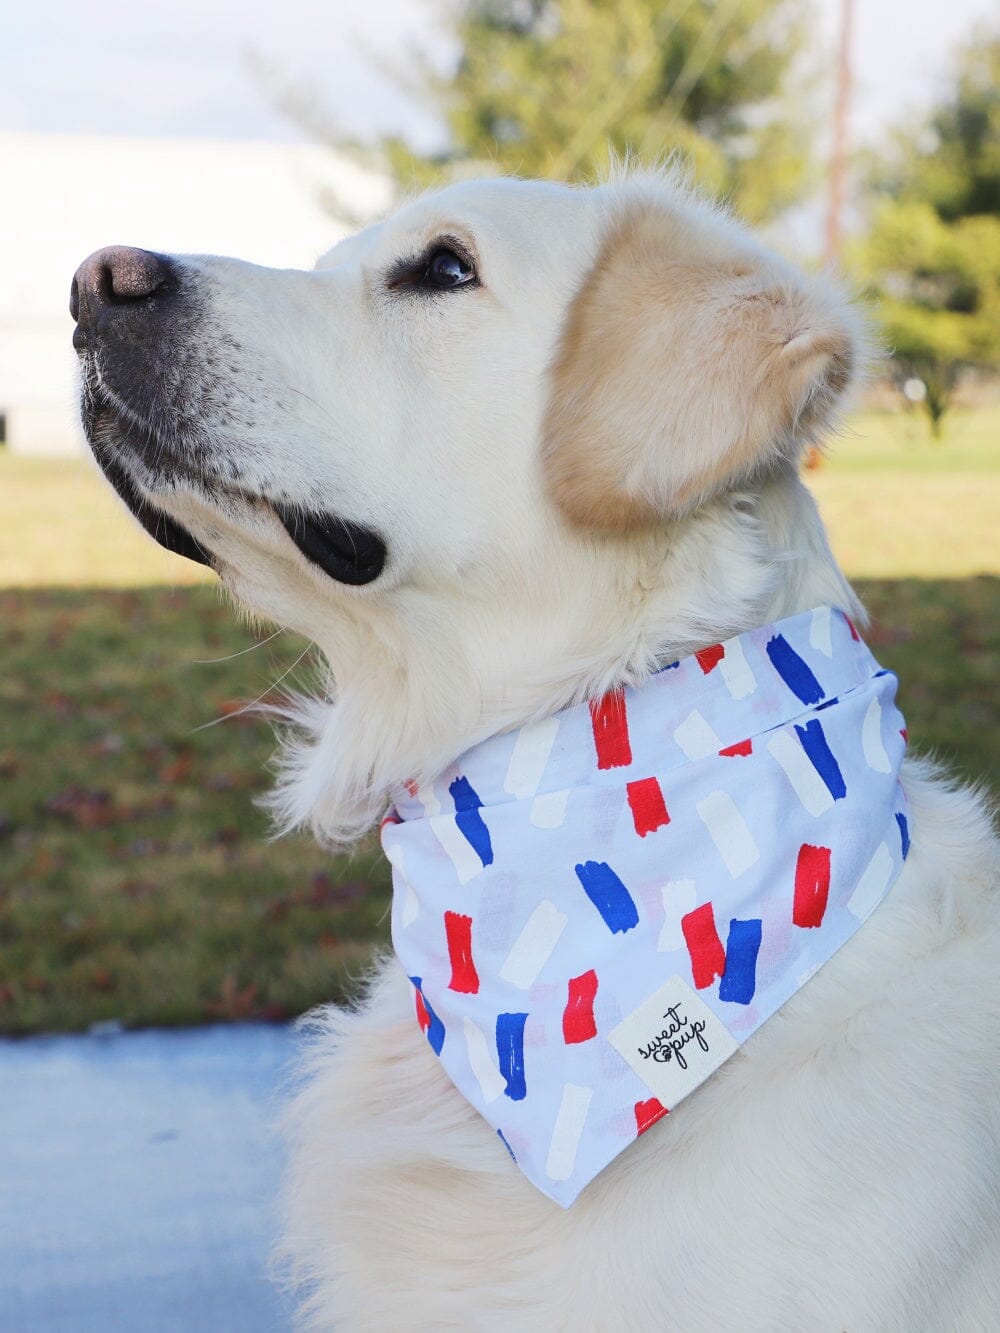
[
  {"x": 932, "y": 255},
  {"x": 559, "y": 88}
]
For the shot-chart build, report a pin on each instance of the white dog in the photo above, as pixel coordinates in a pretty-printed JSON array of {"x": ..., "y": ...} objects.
[{"x": 516, "y": 446}]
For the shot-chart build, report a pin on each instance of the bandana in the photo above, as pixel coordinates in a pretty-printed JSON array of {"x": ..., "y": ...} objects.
[{"x": 597, "y": 910}]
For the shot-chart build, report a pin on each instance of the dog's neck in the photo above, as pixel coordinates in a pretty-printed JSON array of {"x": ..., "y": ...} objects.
[{"x": 410, "y": 692}]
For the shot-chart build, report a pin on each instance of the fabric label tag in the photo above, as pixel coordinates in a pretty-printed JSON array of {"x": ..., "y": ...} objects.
[{"x": 673, "y": 1041}]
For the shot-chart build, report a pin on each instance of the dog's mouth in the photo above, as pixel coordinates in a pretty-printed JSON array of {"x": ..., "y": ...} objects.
[
  {"x": 345, "y": 551},
  {"x": 109, "y": 436}
]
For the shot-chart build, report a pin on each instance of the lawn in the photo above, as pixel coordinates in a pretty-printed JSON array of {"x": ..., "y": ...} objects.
[
  {"x": 897, "y": 503},
  {"x": 136, "y": 881}
]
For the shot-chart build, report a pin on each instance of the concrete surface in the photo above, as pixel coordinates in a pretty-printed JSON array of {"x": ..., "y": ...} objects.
[{"x": 138, "y": 1176}]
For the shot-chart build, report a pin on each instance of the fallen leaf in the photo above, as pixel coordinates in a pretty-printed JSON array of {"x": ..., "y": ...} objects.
[
  {"x": 177, "y": 769},
  {"x": 60, "y": 704},
  {"x": 140, "y": 847},
  {"x": 138, "y": 888},
  {"x": 110, "y": 743},
  {"x": 233, "y": 1002},
  {"x": 85, "y": 807},
  {"x": 326, "y": 892}
]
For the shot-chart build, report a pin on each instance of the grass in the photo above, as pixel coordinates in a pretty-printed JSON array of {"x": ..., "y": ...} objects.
[
  {"x": 61, "y": 526},
  {"x": 901, "y": 443},
  {"x": 897, "y": 503},
  {"x": 136, "y": 881}
]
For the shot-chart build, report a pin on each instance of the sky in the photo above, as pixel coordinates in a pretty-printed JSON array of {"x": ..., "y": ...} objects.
[{"x": 186, "y": 69}]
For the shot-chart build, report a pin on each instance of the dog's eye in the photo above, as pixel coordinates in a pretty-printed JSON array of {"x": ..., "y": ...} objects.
[{"x": 445, "y": 269}]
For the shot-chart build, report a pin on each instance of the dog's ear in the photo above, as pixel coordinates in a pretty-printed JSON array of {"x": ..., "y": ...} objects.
[{"x": 690, "y": 357}]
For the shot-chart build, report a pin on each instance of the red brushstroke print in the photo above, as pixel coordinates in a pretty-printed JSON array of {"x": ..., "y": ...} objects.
[
  {"x": 411, "y": 786},
  {"x": 741, "y": 747},
  {"x": 649, "y": 810},
  {"x": 610, "y": 724},
  {"x": 647, "y": 1113},
  {"x": 464, "y": 977},
  {"x": 578, "y": 1016},
  {"x": 812, "y": 885},
  {"x": 708, "y": 958},
  {"x": 423, "y": 1017},
  {"x": 710, "y": 657}
]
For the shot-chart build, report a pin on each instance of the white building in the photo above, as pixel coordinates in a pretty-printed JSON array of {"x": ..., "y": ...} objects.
[{"x": 65, "y": 196}]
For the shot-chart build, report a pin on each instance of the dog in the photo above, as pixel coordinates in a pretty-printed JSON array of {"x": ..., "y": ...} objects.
[{"x": 514, "y": 449}]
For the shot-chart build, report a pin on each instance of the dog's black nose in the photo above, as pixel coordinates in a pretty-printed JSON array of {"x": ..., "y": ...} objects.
[{"x": 116, "y": 276}]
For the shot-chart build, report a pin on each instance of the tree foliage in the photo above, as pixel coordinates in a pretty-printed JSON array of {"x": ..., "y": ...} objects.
[
  {"x": 952, "y": 160},
  {"x": 559, "y": 88},
  {"x": 932, "y": 256}
]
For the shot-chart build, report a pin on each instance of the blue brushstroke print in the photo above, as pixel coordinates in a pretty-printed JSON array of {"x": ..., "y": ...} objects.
[
  {"x": 904, "y": 833},
  {"x": 510, "y": 1054},
  {"x": 739, "y": 981},
  {"x": 814, "y": 742},
  {"x": 609, "y": 895},
  {"x": 506, "y": 1145},
  {"x": 470, "y": 821},
  {"x": 793, "y": 670},
  {"x": 435, "y": 1030}
]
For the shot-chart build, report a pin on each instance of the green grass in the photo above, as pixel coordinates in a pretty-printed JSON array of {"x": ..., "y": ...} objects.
[
  {"x": 942, "y": 638},
  {"x": 897, "y": 503},
  {"x": 61, "y": 526},
  {"x": 136, "y": 879},
  {"x": 900, "y": 442}
]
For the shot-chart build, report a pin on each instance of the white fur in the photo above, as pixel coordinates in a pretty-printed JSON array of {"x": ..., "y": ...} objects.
[{"x": 841, "y": 1172}]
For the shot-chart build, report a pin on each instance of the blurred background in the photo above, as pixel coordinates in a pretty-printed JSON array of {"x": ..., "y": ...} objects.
[{"x": 137, "y": 886}]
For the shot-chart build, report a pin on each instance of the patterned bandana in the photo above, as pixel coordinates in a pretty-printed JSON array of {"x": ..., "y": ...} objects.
[{"x": 597, "y": 910}]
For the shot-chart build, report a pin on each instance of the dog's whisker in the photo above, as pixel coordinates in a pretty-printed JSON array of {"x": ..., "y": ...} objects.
[
  {"x": 254, "y": 704},
  {"x": 214, "y": 661}
]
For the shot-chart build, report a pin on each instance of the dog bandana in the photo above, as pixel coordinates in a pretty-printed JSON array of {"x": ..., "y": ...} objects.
[{"x": 597, "y": 910}]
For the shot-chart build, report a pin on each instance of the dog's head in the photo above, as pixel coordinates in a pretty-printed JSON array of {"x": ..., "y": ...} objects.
[{"x": 490, "y": 453}]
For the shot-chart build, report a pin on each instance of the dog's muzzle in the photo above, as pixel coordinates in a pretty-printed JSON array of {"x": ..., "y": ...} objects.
[
  {"x": 115, "y": 295},
  {"x": 137, "y": 313}
]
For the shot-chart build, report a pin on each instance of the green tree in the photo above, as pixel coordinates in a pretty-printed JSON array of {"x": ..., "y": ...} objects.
[
  {"x": 559, "y": 88},
  {"x": 932, "y": 255}
]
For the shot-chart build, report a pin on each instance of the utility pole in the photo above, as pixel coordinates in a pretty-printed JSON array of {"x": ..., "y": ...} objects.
[{"x": 838, "y": 159}]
